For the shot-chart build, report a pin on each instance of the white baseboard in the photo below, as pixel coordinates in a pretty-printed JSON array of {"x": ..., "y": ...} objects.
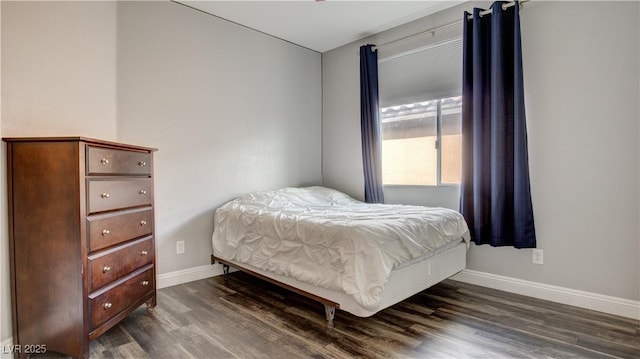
[
  {"x": 187, "y": 275},
  {"x": 602, "y": 303}
]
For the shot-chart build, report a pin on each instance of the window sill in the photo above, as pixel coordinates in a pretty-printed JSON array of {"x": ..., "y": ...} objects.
[{"x": 443, "y": 185}]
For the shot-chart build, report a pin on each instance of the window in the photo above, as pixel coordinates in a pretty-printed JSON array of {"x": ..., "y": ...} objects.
[
  {"x": 420, "y": 114},
  {"x": 421, "y": 143}
]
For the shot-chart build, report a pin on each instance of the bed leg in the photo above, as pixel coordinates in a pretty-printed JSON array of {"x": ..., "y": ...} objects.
[
  {"x": 330, "y": 313},
  {"x": 225, "y": 270}
]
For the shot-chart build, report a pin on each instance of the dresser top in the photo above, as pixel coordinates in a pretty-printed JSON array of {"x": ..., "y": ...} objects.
[{"x": 77, "y": 139}]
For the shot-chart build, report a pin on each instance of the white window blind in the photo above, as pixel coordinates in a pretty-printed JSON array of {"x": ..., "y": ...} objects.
[{"x": 421, "y": 74}]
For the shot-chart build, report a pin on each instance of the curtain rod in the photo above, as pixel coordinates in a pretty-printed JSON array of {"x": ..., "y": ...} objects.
[{"x": 440, "y": 27}]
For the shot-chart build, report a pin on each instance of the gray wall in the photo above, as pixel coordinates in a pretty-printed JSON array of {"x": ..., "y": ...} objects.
[
  {"x": 581, "y": 65},
  {"x": 231, "y": 110},
  {"x": 59, "y": 69},
  {"x": 4, "y": 295},
  {"x": 58, "y": 78}
]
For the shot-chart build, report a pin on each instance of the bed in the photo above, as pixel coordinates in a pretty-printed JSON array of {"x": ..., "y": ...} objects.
[{"x": 346, "y": 254}]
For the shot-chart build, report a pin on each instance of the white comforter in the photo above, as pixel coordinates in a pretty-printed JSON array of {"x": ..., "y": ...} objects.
[{"x": 328, "y": 239}]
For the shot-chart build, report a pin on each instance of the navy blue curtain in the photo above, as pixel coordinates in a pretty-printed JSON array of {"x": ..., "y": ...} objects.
[
  {"x": 495, "y": 196},
  {"x": 370, "y": 125}
]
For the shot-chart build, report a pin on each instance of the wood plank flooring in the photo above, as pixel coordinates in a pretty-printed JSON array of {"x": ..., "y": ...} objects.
[{"x": 245, "y": 317}]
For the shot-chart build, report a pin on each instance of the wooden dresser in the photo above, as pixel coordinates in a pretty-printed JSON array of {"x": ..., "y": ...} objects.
[{"x": 81, "y": 226}]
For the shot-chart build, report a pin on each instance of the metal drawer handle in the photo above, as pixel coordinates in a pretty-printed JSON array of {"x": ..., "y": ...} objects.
[
  {"x": 104, "y": 195},
  {"x": 144, "y": 253},
  {"x": 104, "y": 161},
  {"x": 143, "y": 222},
  {"x": 106, "y": 269},
  {"x": 142, "y": 163},
  {"x": 107, "y": 305},
  {"x": 145, "y": 283},
  {"x": 105, "y": 232},
  {"x": 142, "y": 192}
]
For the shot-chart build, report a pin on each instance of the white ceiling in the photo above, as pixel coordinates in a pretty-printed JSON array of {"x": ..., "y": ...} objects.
[{"x": 320, "y": 25}]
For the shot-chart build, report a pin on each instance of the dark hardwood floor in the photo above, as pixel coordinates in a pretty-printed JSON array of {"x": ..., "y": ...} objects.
[{"x": 245, "y": 317}]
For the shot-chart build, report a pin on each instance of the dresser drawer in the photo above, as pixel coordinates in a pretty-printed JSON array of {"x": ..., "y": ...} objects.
[
  {"x": 113, "y": 162},
  {"x": 106, "y": 195},
  {"x": 107, "y": 303},
  {"x": 110, "y": 229},
  {"x": 108, "y": 266}
]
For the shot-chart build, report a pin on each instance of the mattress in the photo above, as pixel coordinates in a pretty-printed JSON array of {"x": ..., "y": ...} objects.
[{"x": 325, "y": 239}]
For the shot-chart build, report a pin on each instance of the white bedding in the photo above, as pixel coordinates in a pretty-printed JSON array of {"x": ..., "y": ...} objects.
[{"x": 325, "y": 238}]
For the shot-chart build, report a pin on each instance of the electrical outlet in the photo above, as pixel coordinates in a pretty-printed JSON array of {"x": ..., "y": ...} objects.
[
  {"x": 537, "y": 256},
  {"x": 179, "y": 247}
]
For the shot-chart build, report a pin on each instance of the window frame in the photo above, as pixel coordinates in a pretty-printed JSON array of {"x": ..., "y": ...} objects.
[{"x": 438, "y": 145}]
